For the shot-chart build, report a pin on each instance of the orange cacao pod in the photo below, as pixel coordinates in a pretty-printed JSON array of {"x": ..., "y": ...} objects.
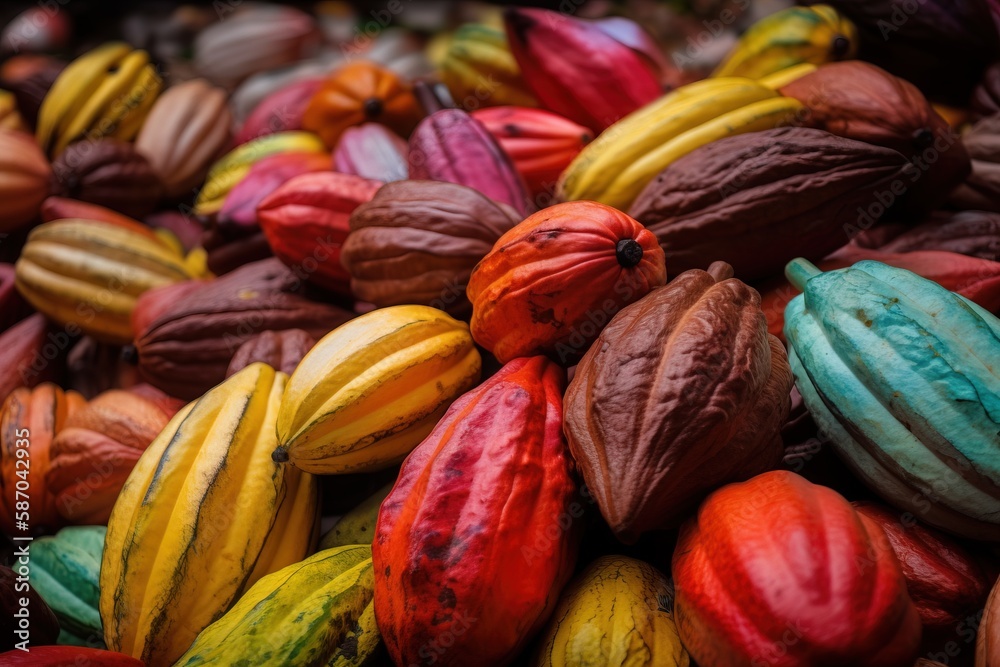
[{"x": 24, "y": 179}]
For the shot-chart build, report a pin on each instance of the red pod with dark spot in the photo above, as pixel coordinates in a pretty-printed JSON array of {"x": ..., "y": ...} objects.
[
  {"x": 479, "y": 534},
  {"x": 551, "y": 283},
  {"x": 684, "y": 391}
]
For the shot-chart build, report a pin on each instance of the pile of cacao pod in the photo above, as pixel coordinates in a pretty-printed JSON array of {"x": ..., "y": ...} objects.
[{"x": 606, "y": 334}]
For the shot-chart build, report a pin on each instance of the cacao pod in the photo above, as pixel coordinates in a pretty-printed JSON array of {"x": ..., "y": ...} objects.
[
  {"x": 44, "y": 626},
  {"x": 486, "y": 487},
  {"x": 24, "y": 179},
  {"x": 361, "y": 92},
  {"x": 31, "y": 84},
  {"x": 860, "y": 101},
  {"x": 254, "y": 39},
  {"x": 418, "y": 241},
  {"x": 31, "y": 352},
  {"x": 742, "y": 586},
  {"x": 541, "y": 144},
  {"x": 239, "y": 210},
  {"x": 13, "y": 307},
  {"x": 94, "y": 452},
  {"x": 228, "y": 250},
  {"x": 526, "y": 296},
  {"x": 986, "y": 97},
  {"x": 976, "y": 279},
  {"x": 59, "y": 208},
  {"x": 626, "y": 603},
  {"x": 62, "y": 656},
  {"x": 982, "y": 189},
  {"x": 281, "y": 350},
  {"x": 944, "y": 581},
  {"x": 701, "y": 209},
  {"x": 108, "y": 173},
  {"x": 86, "y": 275},
  {"x": 185, "y": 348},
  {"x": 372, "y": 151},
  {"x": 373, "y": 388},
  {"x": 480, "y": 71},
  {"x": 972, "y": 233},
  {"x": 942, "y": 46},
  {"x": 202, "y": 517},
  {"x": 357, "y": 525},
  {"x": 452, "y": 146},
  {"x": 893, "y": 368},
  {"x": 30, "y": 419},
  {"x": 186, "y": 131},
  {"x": 682, "y": 392},
  {"x": 306, "y": 222},
  {"x": 10, "y": 118},
  {"x": 281, "y": 111},
  {"x": 988, "y": 637}
]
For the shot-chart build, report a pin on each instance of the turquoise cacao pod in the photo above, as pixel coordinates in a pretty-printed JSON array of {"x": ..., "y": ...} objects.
[{"x": 902, "y": 376}]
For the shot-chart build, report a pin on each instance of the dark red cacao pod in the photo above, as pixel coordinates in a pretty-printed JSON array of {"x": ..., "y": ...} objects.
[
  {"x": 13, "y": 308},
  {"x": 981, "y": 191},
  {"x": 108, "y": 173},
  {"x": 472, "y": 540},
  {"x": 450, "y": 145},
  {"x": 65, "y": 656},
  {"x": 185, "y": 347},
  {"x": 986, "y": 97},
  {"x": 702, "y": 209},
  {"x": 33, "y": 623},
  {"x": 32, "y": 351},
  {"x": 682, "y": 392},
  {"x": 416, "y": 242},
  {"x": 281, "y": 350},
  {"x": 972, "y": 233}
]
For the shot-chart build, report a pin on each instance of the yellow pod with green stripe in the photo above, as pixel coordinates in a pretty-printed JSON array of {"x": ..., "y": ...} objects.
[
  {"x": 373, "y": 388},
  {"x": 313, "y": 613},
  {"x": 204, "y": 514},
  {"x": 815, "y": 35},
  {"x": 616, "y": 613},
  {"x": 479, "y": 69}
]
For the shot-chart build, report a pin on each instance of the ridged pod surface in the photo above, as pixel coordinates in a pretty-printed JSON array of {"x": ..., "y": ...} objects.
[
  {"x": 372, "y": 389},
  {"x": 472, "y": 543},
  {"x": 204, "y": 514},
  {"x": 24, "y": 179},
  {"x": 372, "y": 151}
]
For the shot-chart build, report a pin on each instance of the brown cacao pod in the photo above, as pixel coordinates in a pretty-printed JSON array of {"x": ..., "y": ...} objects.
[
  {"x": 416, "y": 242},
  {"x": 29, "y": 420},
  {"x": 230, "y": 249},
  {"x": 186, "y": 347},
  {"x": 109, "y": 173},
  {"x": 703, "y": 209},
  {"x": 981, "y": 191},
  {"x": 93, "y": 454},
  {"x": 33, "y": 624},
  {"x": 490, "y": 488},
  {"x": 857, "y": 100},
  {"x": 986, "y": 98},
  {"x": 24, "y": 179},
  {"x": 942, "y": 46},
  {"x": 281, "y": 350},
  {"x": 32, "y": 351},
  {"x": 186, "y": 131},
  {"x": 972, "y": 233},
  {"x": 682, "y": 392}
]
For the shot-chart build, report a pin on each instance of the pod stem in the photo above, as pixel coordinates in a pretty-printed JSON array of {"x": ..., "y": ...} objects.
[
  {"x": 799, "y": 271},
  {"x": 432, "y": 96}
]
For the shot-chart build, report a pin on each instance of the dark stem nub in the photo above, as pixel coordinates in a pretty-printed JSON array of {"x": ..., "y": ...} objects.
[
  {"x": 130, "y": 355},
  {"x": 279, "y": 455},
  {"x": 373, "y": 108},
  {"x": 923, "y": 138},
  {"x": 841, "y": 47},
  {"x": 628, "y": 252},
  {"x": 432, "y": 97}
]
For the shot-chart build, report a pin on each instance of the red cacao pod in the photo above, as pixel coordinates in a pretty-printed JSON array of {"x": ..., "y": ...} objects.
[
  {"x": 93, "y": 454},
  {"x": 239, "y": 210},
  {"x": 857, "y": 100},
  {"x": 988, "y": 638},
  {"x": 281, "y": 111},
  {"x": 372, "y": 151},
  {"x": 29, "y": 420},
  {"x": 464, "y": 542},
  {"x": 65, "y": 656},
  {"x": 13, "y": 307},
  {"x": 186, "y": 344},
  {"x": 281, "y": 350},
  {"x": 306, "y": 221},
  {"x": 795, "y": 596},
  {"x": 540, "y": 143},
  {"x": 418, "y": 241},
  {"x": 108, "y": 173},
  {"x": 702, "y": 209},
  {"x": 40, "y": 625},
  {"x": 24, "y": 179},
  {"x": 682, "y": 392},
  {"x": 944, "y": 581},
  {"x": 32, "y": 351},
  {"x": 976, "y": 279},
  {"x": 552, "y": 282},
  {"x": 450, "y": 145}
]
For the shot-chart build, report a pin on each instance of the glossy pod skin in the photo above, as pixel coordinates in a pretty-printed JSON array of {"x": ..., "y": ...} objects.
[{"x": 826, "y": 589}]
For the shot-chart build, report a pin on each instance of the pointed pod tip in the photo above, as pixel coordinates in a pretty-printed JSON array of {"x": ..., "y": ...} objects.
[{"x": 628, "y": 252}]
